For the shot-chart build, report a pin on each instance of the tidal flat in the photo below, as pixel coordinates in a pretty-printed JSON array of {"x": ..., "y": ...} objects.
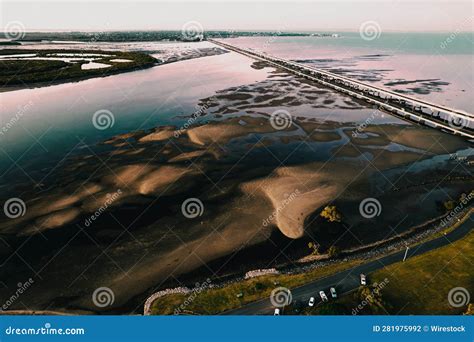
[{"x": 216, "y": 144}]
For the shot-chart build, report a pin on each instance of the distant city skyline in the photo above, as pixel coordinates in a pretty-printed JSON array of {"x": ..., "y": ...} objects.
[{"x": 337, "y": 15}]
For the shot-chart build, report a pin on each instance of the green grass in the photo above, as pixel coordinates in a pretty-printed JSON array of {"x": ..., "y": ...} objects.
[
  {"x": 214, "y": 301},
  {"x": 21, "y": 72},
  {"x": 421, "y": 284},
  {"x": 418, "y": 286}
]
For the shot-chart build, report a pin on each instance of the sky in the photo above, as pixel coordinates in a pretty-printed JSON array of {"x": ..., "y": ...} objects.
[{"x": 335, "y": 15}]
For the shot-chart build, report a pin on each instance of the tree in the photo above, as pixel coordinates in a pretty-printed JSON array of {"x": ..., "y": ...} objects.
[
  {"x": 334, "y": 251},
  {"x": 314, "y": 248},
  {"x": 331, "y": 213},
  {"x": 449, "y": 205}
]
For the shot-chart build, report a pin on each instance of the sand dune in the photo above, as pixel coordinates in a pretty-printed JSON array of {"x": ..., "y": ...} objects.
[
  {"x": 162, "y": 133},
  {"x": 413, "y": 136},
  {"x": 295, "y": 193},
  {"x": 187, "y": 156},
  {"x": 223, "y": 131},
  {"x": 147, "y": 179},
  {"x": 54, "y": 220}
]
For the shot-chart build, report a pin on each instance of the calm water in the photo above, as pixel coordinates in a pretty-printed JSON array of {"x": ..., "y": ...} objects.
[
  {"x": 437, "y": 66},
  {"x": 56, "y": 121}
]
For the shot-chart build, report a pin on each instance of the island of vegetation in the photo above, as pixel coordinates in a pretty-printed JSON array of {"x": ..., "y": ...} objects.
[{"x": 30, "y": 67}]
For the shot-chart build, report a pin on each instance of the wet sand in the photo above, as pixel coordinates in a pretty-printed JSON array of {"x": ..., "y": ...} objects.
[{"x": 257, "y": 185}]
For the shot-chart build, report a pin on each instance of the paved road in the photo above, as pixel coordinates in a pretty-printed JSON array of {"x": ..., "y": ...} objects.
[{"x": 348, "y": 280}]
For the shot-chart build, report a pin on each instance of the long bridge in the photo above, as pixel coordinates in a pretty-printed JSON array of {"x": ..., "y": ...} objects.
[{"x": 409, "y": 108}]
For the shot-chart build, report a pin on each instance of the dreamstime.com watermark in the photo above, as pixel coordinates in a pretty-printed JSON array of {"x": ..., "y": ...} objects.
[
  {"x": 281, "y": 119},
  {"x": 444, "y": 44},
  {"x": 281, "y": 297},
  {"x": 22, "y": 110},
  {"x": 192, "y": 30},
  {"x": 463, "y": 202},
  {"x": 111, "y": 198},
  {"x": 198, "y": 288},
  {"x": 103, "y": 297},
  {"x": 46, "y": 330},
  {"x": 457, "y": 157},
  {"x": 21, "y": 288},
  {"x": 14, "y": 208},
  {"x": 192, "y": 208},
  {"x": 459, "y": 297},
  {"x": 14, "y": 30},
  {"x": 272, "y": 38},
  {"x": 370, "y": 30},
  {"x": 369, "y": 298},
  {"x": 361, "y": 127},
  {"x": 103, "y": 119},
  {"x": 99, "y": 35},
  {"x": 201, "y": 110},
  {"x": 282, "y": 205},
  {"x": 370, "y": 208}
]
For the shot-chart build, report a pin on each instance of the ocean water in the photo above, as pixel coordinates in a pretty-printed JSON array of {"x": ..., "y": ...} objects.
[
  {"x": 56, "y": 121},
  {"x": 435, "y": 66},
  {"x": 44, "y": 125}
]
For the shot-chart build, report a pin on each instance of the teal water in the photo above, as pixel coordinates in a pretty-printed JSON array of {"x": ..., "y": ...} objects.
[
  {"x": 434, "y": 66},
  {"x": 56, "y": 121},
  {"x": 426, "y": 43}
]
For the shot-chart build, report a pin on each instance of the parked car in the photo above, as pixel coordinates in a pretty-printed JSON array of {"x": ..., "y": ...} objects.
[
  {"x": 277, "y": 312},
  {"x": 333, "y": 292},
  {"x": 323, "y": 296},
  {"x": 311, "y": 301},
  {"x": 363, "y": 279}
]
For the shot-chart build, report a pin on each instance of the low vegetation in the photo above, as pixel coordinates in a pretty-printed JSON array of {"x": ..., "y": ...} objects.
[
  {"x": 23, "y": 71},
  {"x": 144, "y": 36},
  {"x": 419, "y": 285},
  {"x": 232, "y": 296},
  {"x": 331, "y": 213}
]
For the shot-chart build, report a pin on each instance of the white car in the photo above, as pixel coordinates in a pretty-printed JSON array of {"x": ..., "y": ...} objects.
[
  {"x": 363, "y": 279},
  {"x": 333, "y": 292},
  {"x": 311, "y": 301},
  {"x": 323, "y": 296},
  {"x": 277, "y": 312}
]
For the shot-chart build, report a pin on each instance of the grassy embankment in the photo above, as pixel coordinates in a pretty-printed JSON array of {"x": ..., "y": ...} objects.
[
  {"x": 213, "y": 301},
  {"x": 25, "y": 72},
  {"x": 420, "y": 285}
]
